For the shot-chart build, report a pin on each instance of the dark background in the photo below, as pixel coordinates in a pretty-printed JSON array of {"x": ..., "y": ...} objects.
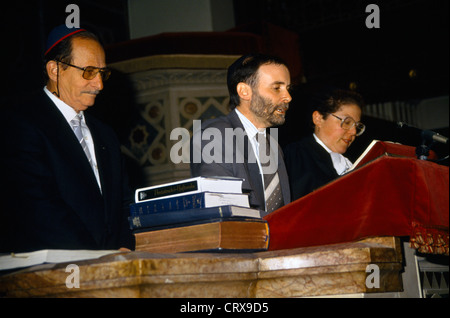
[{"x": 406, "y": 59}]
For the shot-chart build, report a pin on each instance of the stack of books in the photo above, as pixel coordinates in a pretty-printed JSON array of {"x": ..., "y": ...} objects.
[{"x": 197, "y": 214}]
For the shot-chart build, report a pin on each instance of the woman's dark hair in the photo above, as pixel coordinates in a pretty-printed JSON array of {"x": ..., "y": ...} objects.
[
  {"x": 245, "y": 70},
  {"x": 329, "y": 100},
  {"x": 63, "y": 50},
  {"x": 332, "y": 101}
]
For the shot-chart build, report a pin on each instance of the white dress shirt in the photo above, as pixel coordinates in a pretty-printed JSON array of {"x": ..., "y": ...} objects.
[
  {"x": 340, "y": 163},
  {"x": 252, "y": 131},
  {"x": 69, "y": 113}
]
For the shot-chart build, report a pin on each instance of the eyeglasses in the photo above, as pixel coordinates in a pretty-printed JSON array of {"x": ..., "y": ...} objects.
[
  {"x": 89, "y": 72},
  {"x": 347, "y": 123}
]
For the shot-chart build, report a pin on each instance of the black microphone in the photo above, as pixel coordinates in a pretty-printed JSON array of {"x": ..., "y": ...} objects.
[{"x": 427, "y": 135}]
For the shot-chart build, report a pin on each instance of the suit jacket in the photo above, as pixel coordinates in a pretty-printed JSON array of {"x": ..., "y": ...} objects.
[
  {"x": 52, "y": 198},
  {"x": 309, "y": 166},
  {"x": 245, "y": 169}
]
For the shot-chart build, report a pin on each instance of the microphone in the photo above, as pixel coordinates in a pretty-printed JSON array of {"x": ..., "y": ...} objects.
[{"x": 427, "y": 135}]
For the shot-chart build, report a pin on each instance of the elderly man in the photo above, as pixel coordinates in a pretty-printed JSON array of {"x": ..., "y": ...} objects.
[
  {"x": 63, "y": 179},
  {"x": 259, "y": 96}
]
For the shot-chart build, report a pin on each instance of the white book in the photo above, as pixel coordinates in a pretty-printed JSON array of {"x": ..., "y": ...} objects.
[
  {"x": 213, "y": 199},
  {"x": 361, "y": 157},
  {"x": 19, "y": 260},
  {"x": 189, "y": 186}
]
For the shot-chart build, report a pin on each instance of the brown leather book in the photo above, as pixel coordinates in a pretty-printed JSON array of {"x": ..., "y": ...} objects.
[{"x": 238, "y": 234}]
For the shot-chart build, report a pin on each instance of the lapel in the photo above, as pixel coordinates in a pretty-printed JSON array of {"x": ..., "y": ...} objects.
[
  {"x": 251, "y": 168},
  {"x": 69, "y": 161},
  {"x": 322, "y": 157},
  {"x": 101, "y": 154},
  {"x": 58, "y": 129}
]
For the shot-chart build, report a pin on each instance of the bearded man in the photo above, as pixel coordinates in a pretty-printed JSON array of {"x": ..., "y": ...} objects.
[{"x": 259, "y": 98}]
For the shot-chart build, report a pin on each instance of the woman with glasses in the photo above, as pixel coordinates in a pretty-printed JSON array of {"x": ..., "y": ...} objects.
[{"x": 319, "y": 158}]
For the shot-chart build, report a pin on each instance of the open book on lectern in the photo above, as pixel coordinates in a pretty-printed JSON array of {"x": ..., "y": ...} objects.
[{"x": 379, "y": 148}]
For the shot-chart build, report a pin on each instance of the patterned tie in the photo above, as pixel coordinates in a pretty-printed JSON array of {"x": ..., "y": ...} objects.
[
  {"x": 76, "y": 126},
  {"x": 272, "y": 187}
]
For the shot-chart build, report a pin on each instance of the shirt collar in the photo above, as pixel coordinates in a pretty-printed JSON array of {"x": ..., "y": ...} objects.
[
  {"x": 68, "y": 112},
  {"x": 321, "y": 143},
  {"x": 250, "y": 129},
  {"x": 340, "y": 163}
]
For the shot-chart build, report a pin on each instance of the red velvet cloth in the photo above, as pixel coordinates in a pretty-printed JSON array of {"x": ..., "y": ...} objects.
[{"x": 389, "y": 197}]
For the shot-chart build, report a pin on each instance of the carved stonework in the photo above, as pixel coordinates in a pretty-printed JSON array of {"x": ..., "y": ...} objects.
[
  {"x": 168, "y": 99},
  {"x": 161, "y": 78}
]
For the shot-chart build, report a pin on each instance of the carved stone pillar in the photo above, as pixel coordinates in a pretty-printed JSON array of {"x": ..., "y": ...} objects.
[{"x": 171, "y": 91}]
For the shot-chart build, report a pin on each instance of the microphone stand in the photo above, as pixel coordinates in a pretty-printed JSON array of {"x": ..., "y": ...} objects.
[
  {"x": 428, "y": 139},
  {"x": 423, "y": 151}
]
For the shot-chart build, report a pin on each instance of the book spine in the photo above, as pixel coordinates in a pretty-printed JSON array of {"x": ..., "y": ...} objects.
[
  {"x": 159, "y": 192},
  {"x": 191, "y": 201},
  {"x": 160, "y": 219}
]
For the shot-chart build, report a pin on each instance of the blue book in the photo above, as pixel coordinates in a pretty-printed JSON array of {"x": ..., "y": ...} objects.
[
  {"x": 191, "y": 215},
  {"x": 189, "y": 201}
]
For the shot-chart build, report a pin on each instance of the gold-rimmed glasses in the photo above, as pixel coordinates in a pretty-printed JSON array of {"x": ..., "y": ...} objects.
[
  {"x": 348, "y": 123},
  {"x": 89, "y": 72}
]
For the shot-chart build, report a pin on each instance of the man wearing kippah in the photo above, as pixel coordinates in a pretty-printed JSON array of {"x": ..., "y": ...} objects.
[{"x": 63, "y": 180}]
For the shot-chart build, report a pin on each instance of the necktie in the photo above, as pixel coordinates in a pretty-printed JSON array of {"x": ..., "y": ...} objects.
[
  {"x": 272, "y": 187},
  {"x": 76, "y": 126}
]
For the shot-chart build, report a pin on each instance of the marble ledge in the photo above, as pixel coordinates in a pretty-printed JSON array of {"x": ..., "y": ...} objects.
[{"x": 303, "y": 272}]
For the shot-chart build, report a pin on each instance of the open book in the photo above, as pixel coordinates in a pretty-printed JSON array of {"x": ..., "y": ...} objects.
[
  {"x": 19, "y": 260},
  {"x": 379, "y": 148}
]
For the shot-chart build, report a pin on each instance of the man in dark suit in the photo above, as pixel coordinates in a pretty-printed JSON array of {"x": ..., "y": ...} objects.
[
  {"x": 259, "y": 98},
  {"x": 63, "y": 191}
]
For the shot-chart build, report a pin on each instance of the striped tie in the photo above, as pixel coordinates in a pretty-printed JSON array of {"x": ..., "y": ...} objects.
[
  {"x": 272, "y": 187},
  {"x": 76, "y": 126}
]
